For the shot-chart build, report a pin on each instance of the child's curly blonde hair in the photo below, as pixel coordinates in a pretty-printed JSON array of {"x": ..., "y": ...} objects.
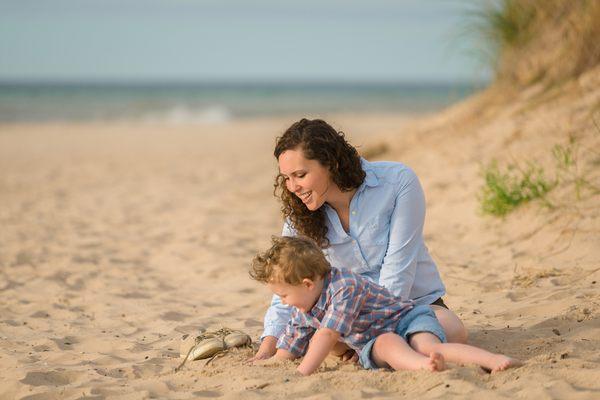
[{"x": 289, "y": 260}]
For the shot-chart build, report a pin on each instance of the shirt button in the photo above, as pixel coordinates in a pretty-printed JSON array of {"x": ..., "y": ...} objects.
[{"x": 353, "y": 212}]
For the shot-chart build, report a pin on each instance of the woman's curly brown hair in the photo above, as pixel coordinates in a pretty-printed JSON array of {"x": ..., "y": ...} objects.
[{"x": 318, "y": 141}]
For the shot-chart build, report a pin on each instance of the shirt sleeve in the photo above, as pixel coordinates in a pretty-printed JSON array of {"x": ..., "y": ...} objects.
[
  {"x": 277, "y": 317},
  {"x": 278, "y": 314},
  {"x": 406, "y": 238},
  {"x": 344, "y": 308},
  {"x": 295, "y": 338}
]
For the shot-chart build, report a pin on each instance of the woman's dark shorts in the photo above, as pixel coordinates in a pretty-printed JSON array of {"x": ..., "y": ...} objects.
[{"x": 440, "y": 302}]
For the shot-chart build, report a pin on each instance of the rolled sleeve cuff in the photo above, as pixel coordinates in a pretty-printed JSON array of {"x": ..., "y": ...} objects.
[
  {"x": 430, "y": 298},
  {"x": 273, "y": 330}
]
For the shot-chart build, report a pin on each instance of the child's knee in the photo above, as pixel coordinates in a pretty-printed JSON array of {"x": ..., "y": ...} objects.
[
  {"x": 385, "y": 339},
  {"x": 424, "y": 342},
  {"x": 381, "y": 348},
  {"x": 384, "y": 343}
]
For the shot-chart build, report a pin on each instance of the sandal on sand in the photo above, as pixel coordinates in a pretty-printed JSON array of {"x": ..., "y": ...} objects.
[{"x": 211, "y": 344}]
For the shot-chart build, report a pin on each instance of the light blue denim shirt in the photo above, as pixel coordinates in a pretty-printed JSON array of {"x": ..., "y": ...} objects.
[{"x": 385, "y": 241}]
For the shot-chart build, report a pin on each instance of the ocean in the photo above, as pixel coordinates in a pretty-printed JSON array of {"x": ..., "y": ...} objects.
[{"x": 185, "y": 103}]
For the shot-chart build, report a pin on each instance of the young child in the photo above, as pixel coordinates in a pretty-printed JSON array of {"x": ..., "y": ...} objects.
[{"x": 332, "y": 305}]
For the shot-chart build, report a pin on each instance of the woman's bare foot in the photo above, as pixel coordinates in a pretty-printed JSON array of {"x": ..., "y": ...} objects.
[
  {"x": 436, "y": 362},
  {"x": 501, "y": 362}
]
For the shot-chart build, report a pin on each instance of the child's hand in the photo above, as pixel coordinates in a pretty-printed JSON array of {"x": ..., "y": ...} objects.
[
  {"x": 260, "y": 355},
  {"x": 266, "y": 350}
]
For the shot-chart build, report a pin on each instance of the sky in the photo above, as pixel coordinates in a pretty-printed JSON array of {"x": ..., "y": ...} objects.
[{"x": 235, "y": 40}]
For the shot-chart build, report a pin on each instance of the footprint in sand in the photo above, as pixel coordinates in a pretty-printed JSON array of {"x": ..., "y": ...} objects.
[
  {"x": 24, "y": 258},
  {"x": 149, "y": 369},
  {"x": 174, "y": 316},
  {"x": 252, "y": 322},
  {"x": 210, "y": 304},
  {"x": 86, "y": 259},
  {"x": 50, "y": 378},
  {"x": 11, "y": 322},
  {"x": 134, "y": 295},
  {"x": 57, "y": 395},
  {"x": 41, "y": 348},
  {"x": 40, "y": 314},
  {"x": 65, "y": 343},
  {"x": 207, "y": 393}
]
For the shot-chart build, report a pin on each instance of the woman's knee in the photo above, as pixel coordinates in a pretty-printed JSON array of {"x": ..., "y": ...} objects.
[{"x": 453, "y": 327}]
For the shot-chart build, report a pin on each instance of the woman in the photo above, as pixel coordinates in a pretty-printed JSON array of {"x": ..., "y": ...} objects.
[{"x": 367, "y": 217}]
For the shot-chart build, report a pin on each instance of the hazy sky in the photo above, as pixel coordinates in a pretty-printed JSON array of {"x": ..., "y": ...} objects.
[{"x": 368, "y": 40}]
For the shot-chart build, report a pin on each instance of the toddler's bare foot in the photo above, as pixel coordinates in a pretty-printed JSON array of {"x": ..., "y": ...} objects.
[
  {"x": 501, "y": 362},
  {"x": 436, "y": 362}
]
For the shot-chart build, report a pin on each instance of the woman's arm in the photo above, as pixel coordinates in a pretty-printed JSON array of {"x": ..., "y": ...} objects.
[
  {"x": 406, "y": 238},
  {"x": 276, "y": 319}
]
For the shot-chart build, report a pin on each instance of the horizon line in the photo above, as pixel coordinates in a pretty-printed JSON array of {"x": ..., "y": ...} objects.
[{"x": 238, "y": 82}]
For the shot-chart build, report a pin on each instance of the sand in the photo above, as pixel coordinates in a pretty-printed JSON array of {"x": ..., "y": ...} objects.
[{"x": 118, "y": 239}]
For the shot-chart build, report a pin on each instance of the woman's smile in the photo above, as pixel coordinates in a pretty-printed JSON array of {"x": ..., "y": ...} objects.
[
  {"x": 305, "y": 196},
  {"x": 307, "y": 179}
]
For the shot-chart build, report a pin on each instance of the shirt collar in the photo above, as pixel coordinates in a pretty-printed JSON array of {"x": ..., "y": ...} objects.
[
  {"x": 370, "y": 178},
  {"x": 321, "y": 303}
]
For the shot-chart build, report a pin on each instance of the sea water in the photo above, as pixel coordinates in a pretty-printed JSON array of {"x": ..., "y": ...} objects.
[{"x": 184, "y": 103}]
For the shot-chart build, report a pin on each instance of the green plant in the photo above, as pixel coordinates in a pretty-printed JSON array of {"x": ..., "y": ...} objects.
[
  {"x": 535, "y": 41},
  {"x": 506, "y": 189},
  {"x": 499, "y": 25},
  {"x": 503, "y": 191},
  {"x": 567, "y": 165},
  {"x": 507, "y": 23}
]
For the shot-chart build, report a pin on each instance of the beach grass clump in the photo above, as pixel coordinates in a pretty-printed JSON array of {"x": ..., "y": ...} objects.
[
  {"x": 569, "y": 169},
  {"x": 528, "y": 41},
  {"x": 506, "y": 189},
  {"x": 502, "y": 24}
]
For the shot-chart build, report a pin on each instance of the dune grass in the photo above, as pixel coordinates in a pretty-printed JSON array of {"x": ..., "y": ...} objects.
[
  {"x": 506, "y": 188},
  {"x": 528, "y": 41}
]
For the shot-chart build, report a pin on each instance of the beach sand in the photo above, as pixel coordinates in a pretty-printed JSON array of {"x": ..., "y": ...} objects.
[{"x": 117, "y": 239}]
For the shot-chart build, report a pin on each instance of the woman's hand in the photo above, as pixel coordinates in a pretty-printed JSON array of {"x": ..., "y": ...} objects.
[
  {"x": 266, "y": 350},
  {"x": 349, "y": 356},
  {"x": 344, "y": 353}
]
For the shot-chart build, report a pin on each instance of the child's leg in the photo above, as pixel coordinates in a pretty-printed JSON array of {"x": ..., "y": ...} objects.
[
  {"x": 392, "y": 350},
  {"x": 426, "y": 343}
]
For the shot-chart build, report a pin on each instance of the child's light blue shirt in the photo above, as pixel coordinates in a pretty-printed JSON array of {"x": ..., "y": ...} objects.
[{"x": 385, "y": 242}]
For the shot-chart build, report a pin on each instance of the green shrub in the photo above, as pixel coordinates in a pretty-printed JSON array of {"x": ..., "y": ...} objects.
[
  {"x": 507, "y": 188},
  {"x": 503, "y": 191},
  {"x": 569, "y": 170}
]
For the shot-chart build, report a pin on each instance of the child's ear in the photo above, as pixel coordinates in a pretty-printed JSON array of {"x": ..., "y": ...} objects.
[{"x": 308, "y": 283}]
